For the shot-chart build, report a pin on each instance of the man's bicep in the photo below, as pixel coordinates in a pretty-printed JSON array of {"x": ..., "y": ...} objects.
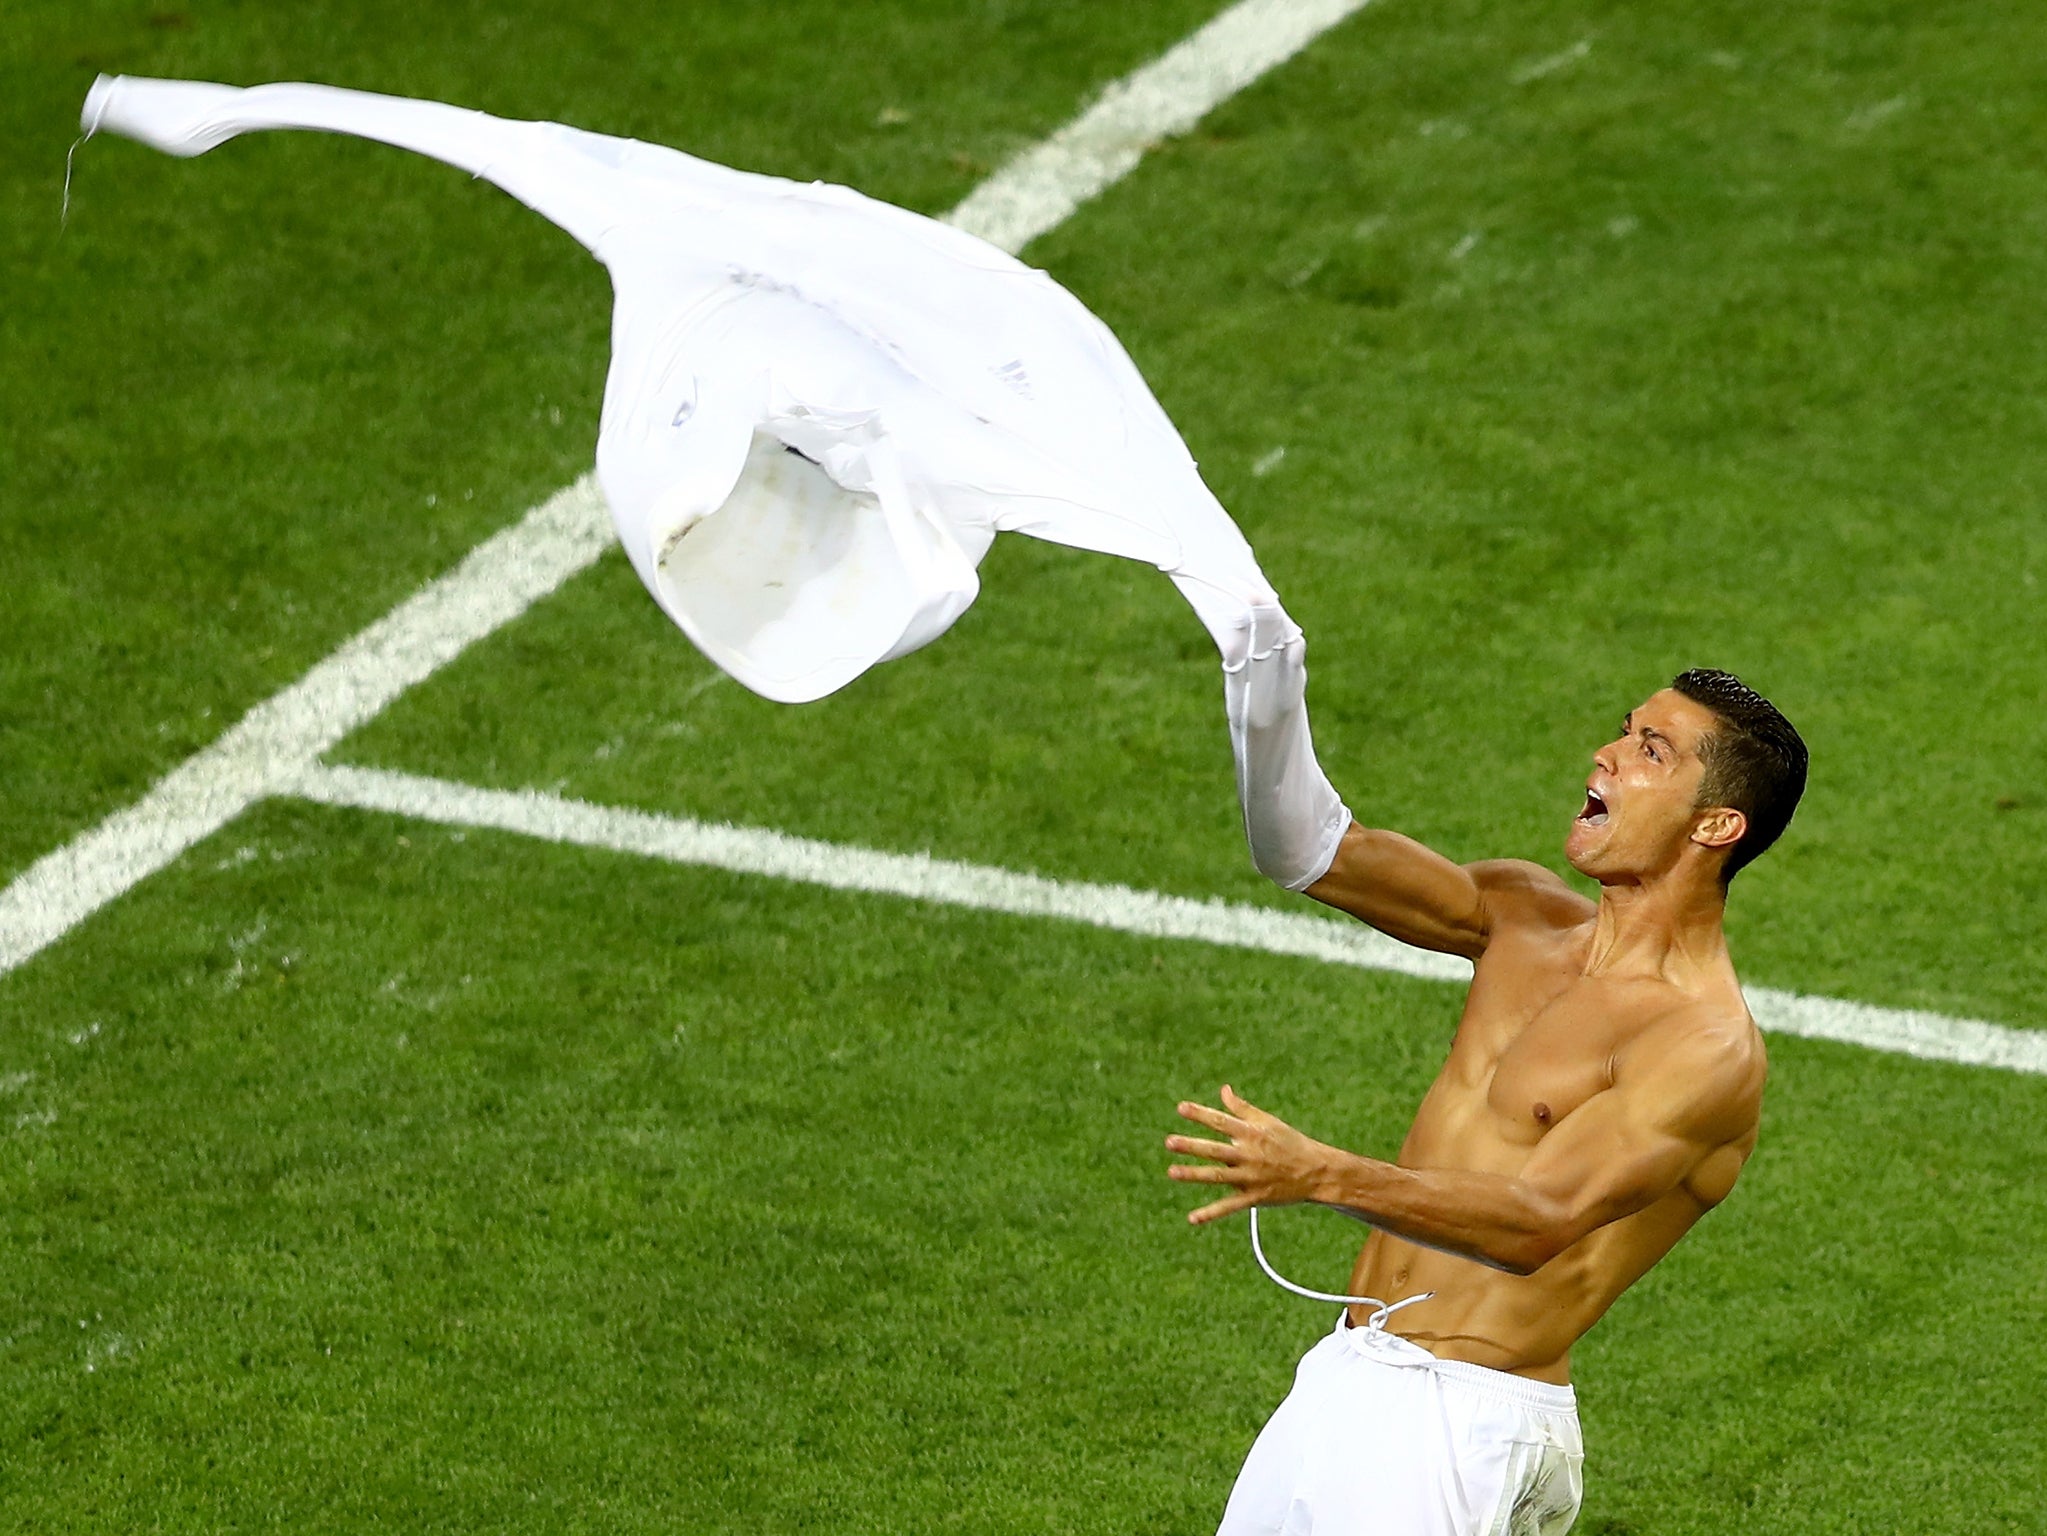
[
  {"x": 1600, "y": 1165},
  {"x": 1405, "y": 890}
]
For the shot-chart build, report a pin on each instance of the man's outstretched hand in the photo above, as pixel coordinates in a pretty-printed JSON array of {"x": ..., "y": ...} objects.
[{"x": 1266, "y": 1160}]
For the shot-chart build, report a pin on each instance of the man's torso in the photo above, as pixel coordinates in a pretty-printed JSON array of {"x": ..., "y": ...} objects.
[{"x": 1538, "y": 1038}]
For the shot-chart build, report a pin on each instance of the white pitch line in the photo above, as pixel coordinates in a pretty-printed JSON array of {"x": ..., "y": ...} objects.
[
  {"x": 1040, "y": 188},
  {"x": 919, "y": 877},
  {"x": 506, "y": 575},
  {"x": 266, "y": 750},
  {"x": 844, "y": 867},
  {"x": 1901, "y": 1031}
]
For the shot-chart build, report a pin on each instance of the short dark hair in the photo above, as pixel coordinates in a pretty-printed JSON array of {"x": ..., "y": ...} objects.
[{"x": 1755, "y": 760}]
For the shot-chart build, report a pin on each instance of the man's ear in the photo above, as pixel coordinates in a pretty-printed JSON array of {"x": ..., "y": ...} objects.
[{"x": 1721, "y": 827}]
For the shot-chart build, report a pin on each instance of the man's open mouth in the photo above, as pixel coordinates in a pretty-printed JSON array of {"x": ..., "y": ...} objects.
[{"x": 1594, "y": 814}]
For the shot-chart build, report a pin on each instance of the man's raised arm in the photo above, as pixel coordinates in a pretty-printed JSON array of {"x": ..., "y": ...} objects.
[{"x": 1301, "y": 834}]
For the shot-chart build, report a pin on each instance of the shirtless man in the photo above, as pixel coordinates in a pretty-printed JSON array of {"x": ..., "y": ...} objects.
[{"x": 1601, "y": 1095}]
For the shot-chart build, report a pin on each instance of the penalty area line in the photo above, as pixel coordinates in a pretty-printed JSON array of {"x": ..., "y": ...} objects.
[
  {"x": 846, "y": 867},
  {"x": 1148, "y": 914},
  {"x": 510, "y": 572},
  {"x": 268, "y": 747},
  {"x": 1039, "y": 189}
]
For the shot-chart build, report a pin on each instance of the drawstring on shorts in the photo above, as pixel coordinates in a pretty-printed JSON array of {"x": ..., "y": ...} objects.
[{"x": 1382, "y": 1309}]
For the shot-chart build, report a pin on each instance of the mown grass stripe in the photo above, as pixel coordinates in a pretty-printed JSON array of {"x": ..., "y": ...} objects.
[{"x": 1149, "y": 914}]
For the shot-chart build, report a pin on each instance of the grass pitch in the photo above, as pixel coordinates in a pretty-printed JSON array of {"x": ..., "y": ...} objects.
[{"x": 359, "y": 1174}]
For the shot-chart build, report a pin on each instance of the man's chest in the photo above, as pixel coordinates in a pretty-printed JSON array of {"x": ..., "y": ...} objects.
[{"x": 1535, "y": 1043}]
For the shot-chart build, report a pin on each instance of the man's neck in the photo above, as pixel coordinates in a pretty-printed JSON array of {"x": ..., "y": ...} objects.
[{"x": 1667, "y": 927}]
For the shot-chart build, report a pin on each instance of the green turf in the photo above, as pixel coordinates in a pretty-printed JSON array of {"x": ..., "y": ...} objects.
[
  {"x": 718, "y": 1203},
  {"x": 634, "y": 1198}
]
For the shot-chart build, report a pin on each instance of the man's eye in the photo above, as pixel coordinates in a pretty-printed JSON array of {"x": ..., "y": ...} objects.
[{"x": 1650, "y": 748}]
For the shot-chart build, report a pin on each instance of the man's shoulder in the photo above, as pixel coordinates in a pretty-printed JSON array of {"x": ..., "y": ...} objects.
[
  {"x": 1519, "y": 893},
  {"x": 1713, "y": 1026},
  {"x": 1711, "y": 1048}
]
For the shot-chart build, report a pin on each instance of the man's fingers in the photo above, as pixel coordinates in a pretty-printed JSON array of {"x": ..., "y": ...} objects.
[
  {"x": 1239, "y": 1119},
  {"x": 1239, "y": 1105},
  {"x": 1197, "y": 1173},
  {"x": 1229, "y": 1205},
  {"x": 1196, "y": 1146},
  {"x": 1214, "y": 1119}
]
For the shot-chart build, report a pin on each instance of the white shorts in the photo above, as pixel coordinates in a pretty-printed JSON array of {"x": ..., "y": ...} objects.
[{"x": 1380, "y": 1438}]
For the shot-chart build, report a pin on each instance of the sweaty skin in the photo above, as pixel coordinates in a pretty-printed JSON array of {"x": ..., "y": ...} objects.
[{"x": 1603, "y": 1090}]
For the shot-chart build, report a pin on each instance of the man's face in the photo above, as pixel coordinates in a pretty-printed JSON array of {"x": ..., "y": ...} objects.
[{"x": 1641, "y": 800}]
